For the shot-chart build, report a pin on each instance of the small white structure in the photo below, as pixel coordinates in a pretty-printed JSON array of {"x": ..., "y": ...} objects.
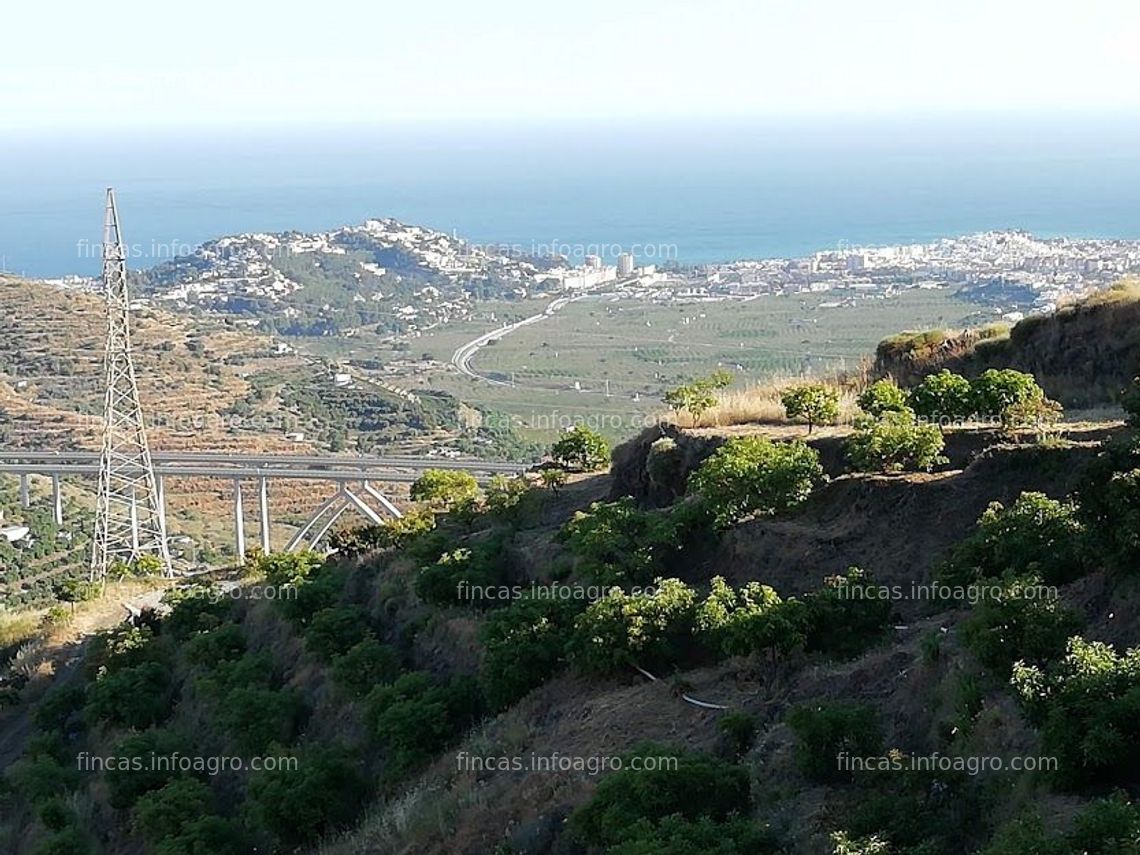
[{"x": 14, "y": 533}]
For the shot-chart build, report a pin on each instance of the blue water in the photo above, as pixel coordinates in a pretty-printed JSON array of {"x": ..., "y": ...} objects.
[{"x": 702, "y": 190}]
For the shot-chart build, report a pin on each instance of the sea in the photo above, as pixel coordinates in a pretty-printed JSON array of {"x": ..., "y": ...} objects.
[{"x": 689, "y": 191}]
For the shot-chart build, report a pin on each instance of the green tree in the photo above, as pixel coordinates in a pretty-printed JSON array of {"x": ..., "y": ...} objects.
[
  {"x": 815, "y": 402},
  {"x": 647, "y": 629},
  {"x": 323, "y": 792},
  {"x": 699, "y": 396},
  {"x": 827, "y": 733},
  {"x": 693, "y": 787},
  {"x": 524, "y": 645},
  {"x": 753, "y": 475},
  {"x": 1088, "y": 709},
  {"x": 895, "y": 442},
  {"x": 943, "y": 397},
  {"x": 997, "y": 391},
  {"x": 1023, "y": 621},
  {"x": 620, "y": 544},
  {"x": 444, "y": 488},
  {"x": 1035, "y": 535},
  {"x": 882, "y": 396},
  {"x": 165, "y": 812},
  {"x": 581, "y": 448}
]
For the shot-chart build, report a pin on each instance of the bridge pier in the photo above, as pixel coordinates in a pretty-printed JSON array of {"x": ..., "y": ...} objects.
[
  {"x": 239, "y": 522},
  {"x": 25, "y": 493},
  {"x": 263, "y": 513},
  {"x": 56, "y": 499}
]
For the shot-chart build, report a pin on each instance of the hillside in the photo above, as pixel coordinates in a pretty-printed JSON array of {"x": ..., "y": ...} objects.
[
  {"x": 424, "y": 719},
  {"x": 1084, "y": 354},
  {"x": 742, "y": 639},
  {"x": 205, "y": 384},
  {"x": 382, "y": 275}
]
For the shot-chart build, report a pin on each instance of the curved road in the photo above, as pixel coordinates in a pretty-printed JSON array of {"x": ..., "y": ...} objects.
[{"x": 463, "y": 355}]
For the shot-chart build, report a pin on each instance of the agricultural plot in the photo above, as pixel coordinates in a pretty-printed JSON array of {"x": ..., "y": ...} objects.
[{"x": 606, "y": 362}]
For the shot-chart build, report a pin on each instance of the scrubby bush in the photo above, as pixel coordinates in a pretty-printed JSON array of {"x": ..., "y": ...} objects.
[
  {"x": 1109, "y": 505},
  {"x": 895, "y": 442},
  {"x": 1107, "y": 826},
  {"x": 256, "y": 717},
  {"x": 845, "y": 615},
  {"x": 882, "y": 396},
  {"x": 134, "y": 697},
  {"x": 619, "y": 544},
  {"x": 288, "y": 569},
  {"x": 322, "y": 589},
  {"x": 134, "y": 773},
  {"x": 206, "y": 835},
  {"x": 827, "y": 732},
  {"x": 753, "y": 475},
  {"x": 524, "y": 646},
  {"x": 505, "y": 493},
  {"x": 165, "y": 812},
  {"x": 208, "y": 649},
  {"x": 943, "y": 397},
  {"x": 815, "y": 403},
  {"x": 415, "y": 718},
  {"x": 298, "y": 805},
  {"x": 646, "y": 629},
  {"x": 693, "y": 787},
  {"x": 366, "y": 664},
  {"x": 1035, "y": 535},
  {"x": 552, "y": 479},
  {"x": 1023, "y": 621},
  {"x": 675, "y": 835},
  {"x": 251, "y": 669},
  {"x": 68, "y": 841},
  {"x": 452, "y": 579},
  {"x": 193, "y": 610},
  {"x": 393, "y": 533},
  {"x": 738, "y": 730},
  {"x": 1088, "y": 708},
  {"x": 40, "y": 777},
  {"x": 59, "y": 707},
  {"x": 335, "y": 630},
  {"x": 1130, "y": 401}
]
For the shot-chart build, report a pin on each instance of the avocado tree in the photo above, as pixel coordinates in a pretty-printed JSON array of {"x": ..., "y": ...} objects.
[
  {"x": 699, "y": 396},
  {"x": 944, "y": 396},
  {"x": 882, "y": 396},
  {"x": 815, "y": 402},
  {"x": 895, "y": 442},
  {"x": 444, "y": 488},
  {"x": 581, "y": 448},
  {"x": 753, "y": 475}
]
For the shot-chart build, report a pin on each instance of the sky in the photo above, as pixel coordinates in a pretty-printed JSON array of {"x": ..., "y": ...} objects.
[{"x": 226, "y": 62}]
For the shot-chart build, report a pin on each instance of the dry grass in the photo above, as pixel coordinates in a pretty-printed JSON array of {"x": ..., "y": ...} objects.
[
  {"x": 1125, "y": 291},
  {"x": 760, "y": 402},
  {"x": 16, "y": 628}
]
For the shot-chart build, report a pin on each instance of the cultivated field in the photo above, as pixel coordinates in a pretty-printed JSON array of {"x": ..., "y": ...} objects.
[{"x": 607, "y": 361}]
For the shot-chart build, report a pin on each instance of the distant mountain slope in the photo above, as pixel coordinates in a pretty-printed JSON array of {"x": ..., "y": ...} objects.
[{"x": 382, "y": 273}]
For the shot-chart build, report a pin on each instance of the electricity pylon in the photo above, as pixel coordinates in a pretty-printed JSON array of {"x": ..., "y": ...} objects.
[{"x": 130, "y": 520}]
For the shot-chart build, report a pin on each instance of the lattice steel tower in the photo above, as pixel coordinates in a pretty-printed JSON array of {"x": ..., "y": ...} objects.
[{"x": 130, "y": 520}]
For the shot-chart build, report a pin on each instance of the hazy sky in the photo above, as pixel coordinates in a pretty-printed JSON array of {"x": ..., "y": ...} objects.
[{"x": 136, "y": 62}]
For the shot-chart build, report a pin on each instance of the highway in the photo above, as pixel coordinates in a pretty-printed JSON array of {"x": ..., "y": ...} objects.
[{"x": 277, "y": 465}]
